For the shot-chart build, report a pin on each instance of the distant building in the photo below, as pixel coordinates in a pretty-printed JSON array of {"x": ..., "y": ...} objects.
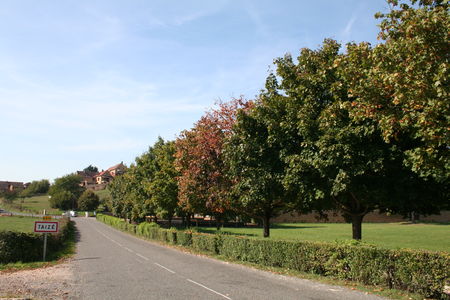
[
  {"x": 10, "y": 186},
  {"x": 107, "y": 175},
  {"x": 99, "y": 180},
  {"x": 87, "y": 178}
]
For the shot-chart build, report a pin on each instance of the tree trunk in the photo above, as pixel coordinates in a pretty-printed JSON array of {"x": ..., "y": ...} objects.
[
  {"x": 414, "y": 217},
  {"x": 356, "y": 226},
  {"x": 170, "y": 221},
  {"x": 266, "y": 225},
  {"x": 220, "y": 219},
  {"x": 188, "y": 220}
]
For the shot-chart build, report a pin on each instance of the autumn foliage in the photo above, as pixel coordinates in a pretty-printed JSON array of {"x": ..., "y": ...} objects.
[{"x": 203, "y": 183}]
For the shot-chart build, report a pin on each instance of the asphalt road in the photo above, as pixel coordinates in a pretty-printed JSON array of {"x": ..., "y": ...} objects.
[{"x": 110, "y": 264}]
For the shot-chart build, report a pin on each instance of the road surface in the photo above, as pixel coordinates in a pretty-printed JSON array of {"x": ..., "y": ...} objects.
[{"x": 110, "y": 264}]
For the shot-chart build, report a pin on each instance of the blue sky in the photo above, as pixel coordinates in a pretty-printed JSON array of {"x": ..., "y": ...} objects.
[{"x": 96, "y": 82}]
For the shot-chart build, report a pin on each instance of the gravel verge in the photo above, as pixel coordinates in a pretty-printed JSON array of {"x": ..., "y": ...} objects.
[{"x": 53, "y": 282}]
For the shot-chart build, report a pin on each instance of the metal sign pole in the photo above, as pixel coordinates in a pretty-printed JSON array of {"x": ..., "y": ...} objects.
[{"x": 45, "y": 245}]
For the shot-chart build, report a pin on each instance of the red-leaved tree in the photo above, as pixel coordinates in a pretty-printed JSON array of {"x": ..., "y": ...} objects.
[{"x": 203, "y": 186}]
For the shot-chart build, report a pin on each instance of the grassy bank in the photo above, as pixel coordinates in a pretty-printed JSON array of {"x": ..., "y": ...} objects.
[
  {"x": 17, "y": 223},
  {"x": 35, "y": 204},
  {"x": 435, "y": 237}
]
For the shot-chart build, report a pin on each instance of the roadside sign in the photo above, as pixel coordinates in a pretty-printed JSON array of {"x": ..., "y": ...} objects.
[
  {"x": 43, "y": 226},
  {"x": 47, "y": 218}
]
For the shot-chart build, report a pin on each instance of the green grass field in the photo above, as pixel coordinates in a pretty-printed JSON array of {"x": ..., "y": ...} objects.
[
  {"x": 35, "y": 204},
  {"x": 435, "y": 237},
  {"x": 21, "y": 224}
]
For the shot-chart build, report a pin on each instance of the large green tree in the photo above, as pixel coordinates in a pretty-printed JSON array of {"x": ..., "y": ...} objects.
[
  {"x": 62, "y": 187},
  {"x": 335, "y": 161},
  {"x": 254, "y": 161},
  {"x": 88, "y": 201},
  {"x": 163, "y": 187}
]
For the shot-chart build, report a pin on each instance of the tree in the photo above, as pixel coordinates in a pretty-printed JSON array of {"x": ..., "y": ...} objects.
[
  {"x": 88, "y": 201},
  {"x": 70, "y": 184},
  {"x": 90, "y": 169},
  {"x": 203, "y": 184},
  {"x": 9, "y": 196},
  {"x": 255, "y": 164},
  {"x": 403, "y": 83},
  {"x": 340, "y": 162},
  {"x": 36, "y": 188},
  {"x": 164, "y": 187},
  {"x": 63, "y": 199},
  {"x": 130, "y": 197}
]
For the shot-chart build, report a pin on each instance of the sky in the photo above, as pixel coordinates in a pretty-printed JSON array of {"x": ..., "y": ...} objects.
[{"x": 89, "y": 82}]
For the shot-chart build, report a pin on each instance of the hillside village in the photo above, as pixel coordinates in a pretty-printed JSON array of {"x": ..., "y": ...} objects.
[
  {"x": 99, "y": 180},
  {"x": 90, "y": 180}
]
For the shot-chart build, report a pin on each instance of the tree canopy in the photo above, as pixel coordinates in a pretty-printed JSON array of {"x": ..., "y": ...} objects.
[{"x": 356, "y": 130}]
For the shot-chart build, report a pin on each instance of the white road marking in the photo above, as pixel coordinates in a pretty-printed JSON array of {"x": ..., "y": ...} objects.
[
  {"x": 165, "y": 268},
  {"x": 109, "y": 238},
  {"x": 128, "y": 249},
  {"x": 211, "y": 290},
  {"x": 141, "y": 256}
]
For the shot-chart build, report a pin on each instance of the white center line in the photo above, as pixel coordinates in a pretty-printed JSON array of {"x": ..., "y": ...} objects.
[
  {"x": 165, "y": 268},
  {"x": 141, "y": 256},
  {"x": 211, "y": 290},
  {"x": 110, "y": 238},
  {"x": 128, "y": 249}
]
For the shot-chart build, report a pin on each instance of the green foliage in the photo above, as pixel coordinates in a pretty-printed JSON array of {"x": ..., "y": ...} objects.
[
  {"x": 353, "y": 131},
  {"x": 417, "y": 271},
  {"x": 403, "y": 83},
  {"x": 90, "y": 169},
  {"x": 254, "y": 163},
  {"x": 9, "y": 196},
  {"x": 88, "y": 201},
  {"x": 65, "y": 192},
  {"x": 36, "y": 188},
  {"x": 63, "y": 200},
  {"x": 164, "y": 188}
]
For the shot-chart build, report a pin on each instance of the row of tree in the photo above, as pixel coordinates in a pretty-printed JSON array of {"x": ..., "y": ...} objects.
[{"x": 361, "y": 130}]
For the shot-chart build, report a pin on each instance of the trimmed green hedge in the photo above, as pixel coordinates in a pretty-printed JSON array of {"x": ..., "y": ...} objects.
[
  {"x": 27, "y": 247},
  {"x": 416, "y": 271}
]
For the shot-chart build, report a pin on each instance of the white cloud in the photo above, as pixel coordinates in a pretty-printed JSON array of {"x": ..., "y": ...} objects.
[{"x": 347, "y": 31}]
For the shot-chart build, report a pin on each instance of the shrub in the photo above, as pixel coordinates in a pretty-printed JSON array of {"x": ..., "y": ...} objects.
[
  {"x": 63, "y": 200},
  {"x": 88, "y": 201}
]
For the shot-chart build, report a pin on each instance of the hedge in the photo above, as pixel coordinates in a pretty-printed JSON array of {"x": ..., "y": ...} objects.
[
  {"x": 27, "y": 247},
  {"x": 417, "y": 271}
]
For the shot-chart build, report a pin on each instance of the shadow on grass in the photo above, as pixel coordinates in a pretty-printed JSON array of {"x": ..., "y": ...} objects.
[
  {"x": 279, "y": 226},
  {"x": 426, "y": 223},
  {"x": 224, "y": 231}
]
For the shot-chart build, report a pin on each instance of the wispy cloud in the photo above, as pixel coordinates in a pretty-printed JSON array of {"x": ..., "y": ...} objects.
[{"x": 347, "y": 31}]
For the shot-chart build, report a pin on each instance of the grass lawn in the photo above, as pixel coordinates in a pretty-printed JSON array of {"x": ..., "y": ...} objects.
[
  {"x": 22, "y": 224},
  {"x": 35, "y": 204},
  {"x": 434, "y": 237}
]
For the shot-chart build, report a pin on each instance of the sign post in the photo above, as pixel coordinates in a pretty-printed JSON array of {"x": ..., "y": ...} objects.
[{"x": 45, "y": 227}]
